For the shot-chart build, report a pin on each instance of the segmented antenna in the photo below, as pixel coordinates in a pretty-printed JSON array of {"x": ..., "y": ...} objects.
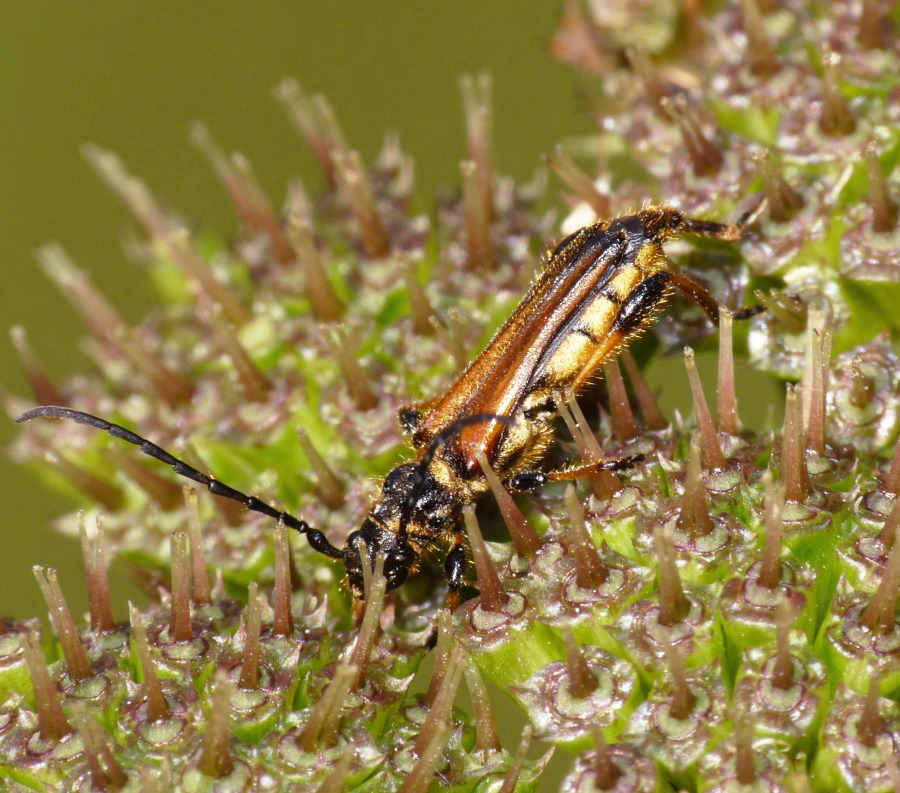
[{"x": 317, "y": 540}]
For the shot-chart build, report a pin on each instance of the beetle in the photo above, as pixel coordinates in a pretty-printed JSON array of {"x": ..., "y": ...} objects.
[{"x": 599, "y": 288}]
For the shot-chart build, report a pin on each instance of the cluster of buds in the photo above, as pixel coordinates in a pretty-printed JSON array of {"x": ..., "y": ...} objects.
[{"x": 722, "y": 617}]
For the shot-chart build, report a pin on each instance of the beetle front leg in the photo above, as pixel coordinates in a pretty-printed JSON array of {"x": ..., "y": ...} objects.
[{"x": 455, "y": 566}]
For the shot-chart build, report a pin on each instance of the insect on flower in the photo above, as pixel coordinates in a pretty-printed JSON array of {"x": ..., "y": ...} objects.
[{"x": 599, "y": 288}]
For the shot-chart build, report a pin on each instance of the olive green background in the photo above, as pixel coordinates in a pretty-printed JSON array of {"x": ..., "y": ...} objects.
[{"x": 131, "y": 76}]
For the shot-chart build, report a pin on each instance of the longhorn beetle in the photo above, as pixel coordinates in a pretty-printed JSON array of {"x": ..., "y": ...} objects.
[{"x": 598, "y": 289}]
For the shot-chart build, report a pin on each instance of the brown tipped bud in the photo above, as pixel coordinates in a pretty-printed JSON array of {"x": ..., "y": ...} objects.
[
  {"x": 479, "y": 247},
  {"x": 835, "y": 117},
  {"x": 282, "y": 616},
  {"x": 525, "y": 538},
  {"x": 713, "y": 456},
  {"x": 249, "y": 679},
  {"x": 354, "y": 376},
  {"x": 44, "y": 390},
  {"x": 726, "y": 402},
  {"x": 180, "y": 626},
  {"x": 52, "y": 720},
  {"x": 77, "y": 664},
  {"x": 216, "y": 759},
  {"x": 694, "y": 517},
  {"x": 157, "y": 707},
  {"x": 783, "y": 201},
  {"x": 673, "y": 603},
  {"x": 705, "y": 156},
  {"x": 420, "y": 306},
  {"x": 760, "y": 52},
  {"x": 622, "y": 418},
  {"x": 885, "y": 211},
  {"x": 794, "y": 471},
  {"x": 493, "y": 597},
  {"x": 325, "y": 304},
  {"x": 328, "y": 708},
  {"x": 476, "y": 96},
  {"x": 579, "y": 182},
  {"x": 329, "y": 488},
  {"x": 353, "y": 184},
  {"x": 93, "y": 554},
  {"x": 647, "y": 402},
  {"x": 683, "y": 699}
]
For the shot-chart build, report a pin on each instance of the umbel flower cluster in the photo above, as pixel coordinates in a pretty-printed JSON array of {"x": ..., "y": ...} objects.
[{"x": 721, "y": 617}]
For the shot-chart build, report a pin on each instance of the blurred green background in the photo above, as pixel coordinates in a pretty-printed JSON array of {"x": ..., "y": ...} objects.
[{"x": 132, "y": 76}]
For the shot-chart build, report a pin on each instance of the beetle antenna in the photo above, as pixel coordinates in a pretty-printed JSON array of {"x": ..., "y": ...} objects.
[{"x": 317, "y": 540}]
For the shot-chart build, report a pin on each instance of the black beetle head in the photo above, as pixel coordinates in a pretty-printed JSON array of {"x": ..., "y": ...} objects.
[{"x": 364, "y": 547}]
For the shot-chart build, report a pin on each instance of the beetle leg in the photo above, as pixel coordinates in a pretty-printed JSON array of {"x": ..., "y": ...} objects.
[
  {"x": 529, "y": 481},
  {"x": 455, "y": 566},
  {"x": 699, "y": 294}
]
